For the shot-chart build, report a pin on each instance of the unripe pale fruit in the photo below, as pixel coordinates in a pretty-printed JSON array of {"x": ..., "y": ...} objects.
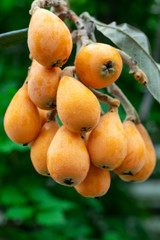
[
  {"x": 135, "y": 159},
  {"x": 150, "y": 159},
  {"x": 107, "y": 143},
  {"x": 77, "y": 107},
  {"x": 40, "y": 147},
  {"x": 22, "y": 121},
  {"x": 49, "y": 40},
  {"x": 42, "y": 85},
  {"x": 96, "y": 184},
  {"x": 68, "y": 159},
  {"x": 98, "y": 65}
]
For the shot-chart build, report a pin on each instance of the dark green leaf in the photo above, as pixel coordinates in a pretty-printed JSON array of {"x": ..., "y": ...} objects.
[
  {"x": 12, "y": 38},
  {"x": 134, "y": 43}
]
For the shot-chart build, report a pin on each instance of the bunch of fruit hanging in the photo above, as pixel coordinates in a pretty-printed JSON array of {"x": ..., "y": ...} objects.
[{"x": 82, "y": 152}]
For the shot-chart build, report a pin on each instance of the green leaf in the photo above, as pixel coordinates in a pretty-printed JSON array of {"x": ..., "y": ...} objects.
[
  {"x": 134, "y": 43},
  {"x": 7, "y": 146},
  {"x": 56, "y": 203},
  {"x": 10, "y": 195},
  {"x": 19, "y": 213},
  {"x": 40, "y": 195},
  {"x": 45, "y": 201},
  {"x": 50, "y": 218},
  {"x": 112, "y": 236},
  {"x": 12, "y": 38}
]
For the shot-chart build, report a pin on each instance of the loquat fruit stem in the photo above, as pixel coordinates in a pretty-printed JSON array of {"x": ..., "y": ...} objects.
[
  {"x": 138, "y": 74},
  {"x": 112, "y": 102},
  {"x": 68, "y": 71},
  {"x": 131, "y": 113},
  {"x": 51, "y": 115}
]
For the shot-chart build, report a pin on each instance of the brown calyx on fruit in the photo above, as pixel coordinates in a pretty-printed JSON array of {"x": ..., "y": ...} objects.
[
  {"x": 107, "y": 69},
  {"x": 59, "y": 63},
  {"x": 85, "y": 129},
  {"x": 127, "y": 173},
  {"x": 68, "y": 181}
]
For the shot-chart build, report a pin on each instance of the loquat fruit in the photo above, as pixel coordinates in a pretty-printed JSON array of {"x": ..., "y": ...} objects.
[
  {"x": 77, "y": 107},
  {"x": 98, "y": 65},
  {"x": 43, "y": 115},
  {"x": 135, "y": 158},
  {"x": 96, "y": 183},
  {"x": 22, "y": 121},
  {"x": 42, "y": 85},
  {"x": 150, "y": 159},
  {"x": 107, "y": 142},
  {"x": 68, "y": 159},
  {"x": 49, "y": 40},
  {"x": 40, "y": 147}
]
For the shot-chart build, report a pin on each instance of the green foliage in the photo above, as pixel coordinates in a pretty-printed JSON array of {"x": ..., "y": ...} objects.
[
  {"x": 34, "y": 206},
  {"x": 12, "y": 38},
  {"x": 135, "y": 43},
  {"x": 19, "y": 213}
]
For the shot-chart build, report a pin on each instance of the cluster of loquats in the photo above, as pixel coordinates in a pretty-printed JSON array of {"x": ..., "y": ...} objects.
[{"x": 82, "y": 152}]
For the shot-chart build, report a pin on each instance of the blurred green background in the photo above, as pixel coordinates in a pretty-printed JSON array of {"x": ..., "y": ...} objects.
[{"x": 34, "y": 206}]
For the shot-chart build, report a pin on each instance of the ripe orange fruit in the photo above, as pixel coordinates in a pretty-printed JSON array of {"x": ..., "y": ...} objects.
[
  {"x": 77, "y": 107},
  {"x": 98, "y": 65},
  {"x": 150, "y": 159},
  {"x": 22, "y": 121},
  {"x": 68, "y": 159},
  {"x": 135, "y": 158},
  {"x": 40, "y": 147},
  {"x": 49, "y": 40},
  {"x": 107, "y": 142},
  {"x": 96, "y": 183},
  {"x": 42, "y": 85}
]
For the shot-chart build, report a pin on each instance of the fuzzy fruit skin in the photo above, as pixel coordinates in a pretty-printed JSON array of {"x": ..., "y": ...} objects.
[
  {"x": 42, "y": 85},
  {"x": 22, "y": 121},
  {"x": 135, "y": 159},
  {"x": 40, "y": 147},
  {"x": 68, "y": 159},
  {"x": 49, "y": 40},
  {"x": 91, "y": 61},
  {"x": 77, "y": 107},
  {"x": 150, "y": 159},
  {"x": 96, "y": 184},
  {"x": 107, "y": 142}
]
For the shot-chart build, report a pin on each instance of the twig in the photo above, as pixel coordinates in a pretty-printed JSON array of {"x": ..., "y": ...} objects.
[
  {"x": 68, "y": 71},
  {"x": 128, "y": 107},
  {"x": 112, "y": 102},
  {"x": 138, "y": 74}
]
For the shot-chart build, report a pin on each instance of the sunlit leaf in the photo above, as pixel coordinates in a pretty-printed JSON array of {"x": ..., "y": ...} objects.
[
  {"x": 135, "y": 44},
  {"x": 12, "y": 38}
]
